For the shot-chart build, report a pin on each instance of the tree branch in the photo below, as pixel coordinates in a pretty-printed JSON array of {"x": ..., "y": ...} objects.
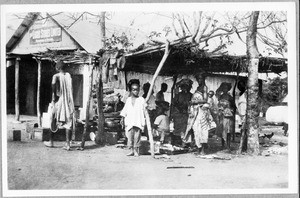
[
  {"x": 197, "y": 24},
  {"x": 184, "y": 22},
  {"x": 205, "y": 27},
  {"x": 173, "y": 24},
  {"x": 181, "y": 25},
  {"x": 75, "y": 20}
]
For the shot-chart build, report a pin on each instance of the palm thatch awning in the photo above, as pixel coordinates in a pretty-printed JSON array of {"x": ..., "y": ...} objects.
[{"x": 185, "y": 58}]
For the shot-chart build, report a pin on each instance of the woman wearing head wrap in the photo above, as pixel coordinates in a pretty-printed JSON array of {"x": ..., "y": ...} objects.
[
  {"x": 226, "y": 117},
  {"x": 180, "y": 109},
  {"x": 199, "y": 116}
]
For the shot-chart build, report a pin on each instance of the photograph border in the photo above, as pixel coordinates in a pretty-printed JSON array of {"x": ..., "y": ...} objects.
[{"x": 293, "y": 88}]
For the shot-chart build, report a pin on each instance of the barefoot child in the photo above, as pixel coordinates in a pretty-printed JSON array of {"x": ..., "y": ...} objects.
[{"x": 133, "y": 117}]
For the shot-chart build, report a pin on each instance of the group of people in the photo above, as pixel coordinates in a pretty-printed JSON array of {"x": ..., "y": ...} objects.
[
  {"x": 194, "y": 114},
  {"x": 133, "y": 115},
  {"x": 191, "y": 113}
]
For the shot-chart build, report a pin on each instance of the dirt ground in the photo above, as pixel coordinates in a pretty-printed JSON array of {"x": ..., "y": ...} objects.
[{"x": 33, "y": 166}]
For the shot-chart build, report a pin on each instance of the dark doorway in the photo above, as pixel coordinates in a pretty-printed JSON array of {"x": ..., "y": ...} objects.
[{"x": 77, "y": 83}]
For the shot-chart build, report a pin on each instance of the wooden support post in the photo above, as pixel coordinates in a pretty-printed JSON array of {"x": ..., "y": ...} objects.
[
  {"x": 234, "y": 110},
  {"x": 100, "y": 134},
  {"x": 87, "y": 111},
  {"x": 17, "y": 105},
  {"x": 38, "y": 95},
  {"x": 172, "y": 93},
  {"x": 163, "y": 60}
]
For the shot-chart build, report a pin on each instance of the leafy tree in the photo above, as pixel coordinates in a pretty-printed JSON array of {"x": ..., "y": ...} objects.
[{"x": 274, "y": 91}]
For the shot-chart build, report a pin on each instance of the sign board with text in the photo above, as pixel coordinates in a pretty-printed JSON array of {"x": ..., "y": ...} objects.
[{"x": 45, "y": 35}]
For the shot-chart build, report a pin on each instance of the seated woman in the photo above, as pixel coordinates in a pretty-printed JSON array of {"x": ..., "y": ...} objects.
[{"x": 161, "y": 126}]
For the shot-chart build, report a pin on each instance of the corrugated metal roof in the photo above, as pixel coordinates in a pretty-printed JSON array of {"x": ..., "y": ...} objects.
[
  {"x": 19, "y": 33},
  {"x": 85, "y": 32}
]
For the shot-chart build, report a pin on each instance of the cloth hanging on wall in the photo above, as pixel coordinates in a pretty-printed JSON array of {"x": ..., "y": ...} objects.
[
  {"x": 105, "y": 60},
  {"x": 121, "y": 62}
]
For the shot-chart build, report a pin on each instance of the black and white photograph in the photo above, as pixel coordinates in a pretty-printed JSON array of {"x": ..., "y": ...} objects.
[{"x": 150, "y": 99}]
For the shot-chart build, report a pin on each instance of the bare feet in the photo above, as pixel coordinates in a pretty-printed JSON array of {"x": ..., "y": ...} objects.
[
  {"x": 67, "y": 148},
  {"x": 130, "y": 154},
  {"x": 136, "y": 154},
  {"x": 48, "y": 144}
]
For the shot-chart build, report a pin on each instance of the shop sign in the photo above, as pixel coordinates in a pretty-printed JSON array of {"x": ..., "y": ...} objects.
[{"x": 45, "y": 35}]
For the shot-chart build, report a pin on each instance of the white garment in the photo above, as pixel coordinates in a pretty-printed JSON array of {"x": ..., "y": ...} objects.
[
  {"x": 151, "y": 103},
  {"x": 242, "y": 104},
  {"x": 213, "y": 102},
  {"x": 134, "y": 114},
  {"x": 241, "y": 107},
  {"x": 163, "y": 122}
]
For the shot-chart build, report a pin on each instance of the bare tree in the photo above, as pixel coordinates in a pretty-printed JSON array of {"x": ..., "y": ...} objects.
[
  {"x": 274, "y": 35},
  {"x": 205, "y": 26},
  {"x": 252, "y": 95}
]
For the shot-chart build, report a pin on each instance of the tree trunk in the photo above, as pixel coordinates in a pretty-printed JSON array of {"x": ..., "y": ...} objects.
[
  {"x": 38, "y": 97},
  {"x": 100, "y": 134},
  {"x": 149, "y": 128},
  {"x": 87, "y": 111},
  {"x": 252, "y": 96},
  {"x": 102, "y": 28},
  {"x": 17, "y": 106}
]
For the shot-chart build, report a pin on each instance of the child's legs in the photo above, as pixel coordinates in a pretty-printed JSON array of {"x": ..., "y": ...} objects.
[
  {"x": 130, "y": 138},
  {"x": 136, "y": 137}
]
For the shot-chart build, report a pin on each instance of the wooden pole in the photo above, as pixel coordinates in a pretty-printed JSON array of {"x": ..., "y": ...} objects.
[
  {"x": 87, "y": 111},
  {"x": 234, "y": 109},
  {"x": 172, "y": 92},
  {"x": 163, "y": 60},
  {"x": 100, "y": 134},
  {"x": 38, "y": 97},
  {"x": 17, "y": 105}
]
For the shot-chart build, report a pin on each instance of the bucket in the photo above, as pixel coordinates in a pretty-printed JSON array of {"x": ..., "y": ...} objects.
[{"x": 16, "y": 135}]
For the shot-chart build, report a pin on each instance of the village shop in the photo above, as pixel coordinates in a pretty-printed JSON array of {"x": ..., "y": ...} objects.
[{"x": 37, "y": 44}]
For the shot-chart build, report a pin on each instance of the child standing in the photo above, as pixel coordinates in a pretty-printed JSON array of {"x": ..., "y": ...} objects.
[
  {"x": 133, "y": 117},
  {"x": 162, "y": 122}
]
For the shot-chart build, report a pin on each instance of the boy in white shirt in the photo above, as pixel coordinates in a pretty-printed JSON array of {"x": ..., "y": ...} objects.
[{"x": 133, "y": 117}]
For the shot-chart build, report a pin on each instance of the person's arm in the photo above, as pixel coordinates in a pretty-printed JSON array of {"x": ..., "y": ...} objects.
[
  {"x": 53, "y": 86},
  {"x": 205, "y": 89},
  {"x": 123, "y": 114}
]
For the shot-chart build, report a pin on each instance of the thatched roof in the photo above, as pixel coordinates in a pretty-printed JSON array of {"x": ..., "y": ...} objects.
[{"x": 187, "y": 59}]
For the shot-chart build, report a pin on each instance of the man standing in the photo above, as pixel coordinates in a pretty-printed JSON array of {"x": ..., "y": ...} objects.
[
  {"x": 133, "y": 117},
  {"x": 160, "y": 94},
  {"x": 63, "y": 111}
]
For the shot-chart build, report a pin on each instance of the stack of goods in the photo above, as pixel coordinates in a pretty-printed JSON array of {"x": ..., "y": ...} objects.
[{"x": 112, "y": 106}]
